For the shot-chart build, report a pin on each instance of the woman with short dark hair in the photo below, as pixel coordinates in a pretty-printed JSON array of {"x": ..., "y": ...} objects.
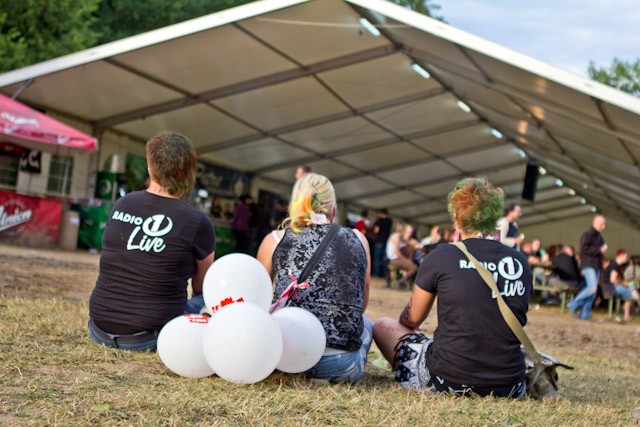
[
  {"x": 473, "y": 350},
  {"x": 152, "y": 244}
]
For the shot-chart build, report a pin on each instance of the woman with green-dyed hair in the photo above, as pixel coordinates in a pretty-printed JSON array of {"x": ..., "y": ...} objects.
[{"x": 473, "y": 352}]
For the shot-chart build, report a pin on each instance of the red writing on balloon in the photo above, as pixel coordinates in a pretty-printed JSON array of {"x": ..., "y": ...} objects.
[
  {"x": 225, "y": 302},
  {"x": 197, "y": 318}
]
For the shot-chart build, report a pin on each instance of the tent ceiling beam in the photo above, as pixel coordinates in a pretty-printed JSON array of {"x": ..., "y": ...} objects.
[
  {"x": 607, "y": 119},
  {"x": 244, "y": 86},
  {"x": 436, "y": 181},
  {"x": 619, "y": 213},
  {"x": 497, "y": 184},
  {"x": 323, "y": 120},
  {"x": 364, "y": 147},
  {"x": 571, "y": 203},
  {"x": 546, "y": 221},
  {"x": 507, "y": 89},
  {"x": 424, "y": 162}
]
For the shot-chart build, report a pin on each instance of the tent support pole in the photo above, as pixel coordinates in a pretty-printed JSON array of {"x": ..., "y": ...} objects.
[{"x": 22, "y": 89}]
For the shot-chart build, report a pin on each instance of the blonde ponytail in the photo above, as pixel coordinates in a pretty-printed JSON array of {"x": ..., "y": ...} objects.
[{"x": 312, "y": 194}]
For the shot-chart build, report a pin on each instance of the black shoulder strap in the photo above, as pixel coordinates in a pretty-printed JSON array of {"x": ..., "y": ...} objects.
[{"x": 315, "y": 258}]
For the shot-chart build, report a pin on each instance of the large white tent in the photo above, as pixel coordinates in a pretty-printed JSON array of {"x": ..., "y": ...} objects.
[{"x": 394, "y": 119}]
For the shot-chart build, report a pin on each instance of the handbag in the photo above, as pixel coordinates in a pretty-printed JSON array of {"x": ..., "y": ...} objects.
[
  {"x": 540, "y": 368},
  {"x": 299, "y": 283}
]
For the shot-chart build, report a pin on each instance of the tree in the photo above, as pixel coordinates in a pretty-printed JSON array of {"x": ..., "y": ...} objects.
[
  {"x": 426, "y": 7},
  {"x": 118, "y": 19},
  {"x": 32, "y": 31},
  {"x": 624, "y": 76}
]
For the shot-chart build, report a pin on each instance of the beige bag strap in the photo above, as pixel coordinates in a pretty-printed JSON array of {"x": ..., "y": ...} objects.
[{"x": 508, "y": 315}]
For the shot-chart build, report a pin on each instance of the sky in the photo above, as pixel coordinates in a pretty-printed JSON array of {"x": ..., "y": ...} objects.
[{"x": 564, "y": 33}]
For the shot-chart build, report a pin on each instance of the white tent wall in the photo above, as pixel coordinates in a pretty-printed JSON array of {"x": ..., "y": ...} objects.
[{"x": 617, "y": 235}]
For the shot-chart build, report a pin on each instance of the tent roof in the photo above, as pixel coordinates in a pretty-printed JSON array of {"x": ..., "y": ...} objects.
[{"x": 274, "y": 84}]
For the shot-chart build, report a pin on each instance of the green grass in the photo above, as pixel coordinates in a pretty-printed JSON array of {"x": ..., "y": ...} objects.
[{"x": 51, "y": 373}]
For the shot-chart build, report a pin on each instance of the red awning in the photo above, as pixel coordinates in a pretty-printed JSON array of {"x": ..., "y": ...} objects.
[{"x": 27, "y": 127}]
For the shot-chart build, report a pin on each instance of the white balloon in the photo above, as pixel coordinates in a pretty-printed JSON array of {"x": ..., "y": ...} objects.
[
  {"x": 180, "y": 346},
  {"x": 303, "y": 339},
  {"x": 234, "y": 278},
  {"x": 242, "y": 343}
]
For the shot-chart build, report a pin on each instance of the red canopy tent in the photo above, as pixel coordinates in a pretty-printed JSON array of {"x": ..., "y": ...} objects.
[
  {"x": 29, "y": 128},
  {"x": 26, "y": 219}
]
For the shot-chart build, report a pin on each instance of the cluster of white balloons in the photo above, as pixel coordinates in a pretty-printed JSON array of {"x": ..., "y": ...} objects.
[{"x": 241, "y": 342}]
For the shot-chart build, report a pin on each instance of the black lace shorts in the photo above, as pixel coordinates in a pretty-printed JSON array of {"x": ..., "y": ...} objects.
[{"x": 413, "y": 373}]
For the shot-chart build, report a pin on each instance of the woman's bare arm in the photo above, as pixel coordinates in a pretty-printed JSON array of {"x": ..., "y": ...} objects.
[
  {"x": 417, "y": 309},
  {"x": 202, "y": 265}
]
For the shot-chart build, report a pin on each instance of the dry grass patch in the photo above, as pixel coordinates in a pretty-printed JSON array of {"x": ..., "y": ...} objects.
[{"x": 52, "y": 373}]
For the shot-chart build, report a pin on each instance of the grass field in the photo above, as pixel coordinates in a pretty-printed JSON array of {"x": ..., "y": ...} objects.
[{"x": 52, "y": 373}]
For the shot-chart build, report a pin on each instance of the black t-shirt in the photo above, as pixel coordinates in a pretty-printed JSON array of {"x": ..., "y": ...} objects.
[
  {"x": 606, "y": 276},
  {"x": 566, "y": 267},
  {"x": 513, "y": 230},
  {"x": 608, "y": 288},
  {"x": 473, "y": 345},
  {"x": 384, "y": 230},
  {"x": 149, "y": 251}
]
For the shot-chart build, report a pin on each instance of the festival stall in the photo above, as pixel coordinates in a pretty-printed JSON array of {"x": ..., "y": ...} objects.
[{"x": 26, "y": 218}]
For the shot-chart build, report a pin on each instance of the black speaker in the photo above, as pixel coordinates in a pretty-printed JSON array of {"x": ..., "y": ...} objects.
[{"x": 530, "y": 182}]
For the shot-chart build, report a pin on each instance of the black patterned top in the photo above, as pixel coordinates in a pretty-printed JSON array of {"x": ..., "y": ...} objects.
[{"x": 336, "y": 288}]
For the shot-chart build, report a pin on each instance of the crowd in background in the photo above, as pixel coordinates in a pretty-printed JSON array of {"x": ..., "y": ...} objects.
[
  {"x": 397, "y": 251},
  {"x": 558, "y": 266}
]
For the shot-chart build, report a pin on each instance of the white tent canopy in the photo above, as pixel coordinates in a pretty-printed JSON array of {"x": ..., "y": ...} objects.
[{"x": 274, "y": 84}]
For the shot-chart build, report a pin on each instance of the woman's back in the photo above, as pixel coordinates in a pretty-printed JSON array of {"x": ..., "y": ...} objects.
[
  {"x": 473, "y": 344},
  {"x": 150, "y": 244},
  {"x": 336, "y": 286}
]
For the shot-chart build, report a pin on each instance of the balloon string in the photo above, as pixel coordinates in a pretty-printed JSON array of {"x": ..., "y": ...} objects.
[
  {"x": 296, "y": 286},
  {"x": 288, "y": 293}
]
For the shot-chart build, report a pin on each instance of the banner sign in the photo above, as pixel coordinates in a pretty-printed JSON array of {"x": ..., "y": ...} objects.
[
  {"x": 31, "y": 221},
  {"x": 220, "y": 181},
  {"x": 30, "y": 161}
]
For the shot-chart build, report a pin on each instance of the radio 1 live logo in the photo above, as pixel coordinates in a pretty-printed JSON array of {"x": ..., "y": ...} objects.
[
  {"x": 147, "y": 235},
  {"x": 12, "y": 215}
]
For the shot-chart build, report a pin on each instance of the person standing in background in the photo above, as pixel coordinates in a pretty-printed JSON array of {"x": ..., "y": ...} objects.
[
  {"x": 592, "y": 250},
  {"x": 361, "y": 225},
  {"x": 381, "y": 232},
  {"x": 280, "y": 213},
  {"x": 509, "y": 234},
  {"x": 302, "y": 171},
  {"x": 240, "y": 224}
]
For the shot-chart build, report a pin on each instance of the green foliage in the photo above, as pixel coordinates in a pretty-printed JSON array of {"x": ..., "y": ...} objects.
[
  {"x": 622, "y": 75},
  {"x": 426, "y": 7},
  {"x": 32, "y": 31},
  {"x": 118, "y": 19}
]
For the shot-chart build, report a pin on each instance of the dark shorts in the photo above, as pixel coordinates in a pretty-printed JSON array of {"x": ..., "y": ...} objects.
[{"x": 413, "y": 373}]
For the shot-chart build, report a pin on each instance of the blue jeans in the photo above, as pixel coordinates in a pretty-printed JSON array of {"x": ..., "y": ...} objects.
[
  {"x": 194, "y": 305},
  {"x": 584, "y": 299},
  {"x": 345, "y": 367},
  {"x": 378, "y": 259},
  {"x": 625, "y": 292}
]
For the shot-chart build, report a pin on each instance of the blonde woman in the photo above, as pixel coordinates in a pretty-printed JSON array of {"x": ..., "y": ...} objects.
[
  {"x": 338, "y": 289},
  {"x": 396, "y": 256}
]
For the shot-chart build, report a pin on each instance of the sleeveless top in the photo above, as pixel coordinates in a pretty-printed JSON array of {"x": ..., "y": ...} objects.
[
  {"x": 391, "y": 247},
  {"x": 336, "y": 288},
  {"x": 513, "y": 230}
]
